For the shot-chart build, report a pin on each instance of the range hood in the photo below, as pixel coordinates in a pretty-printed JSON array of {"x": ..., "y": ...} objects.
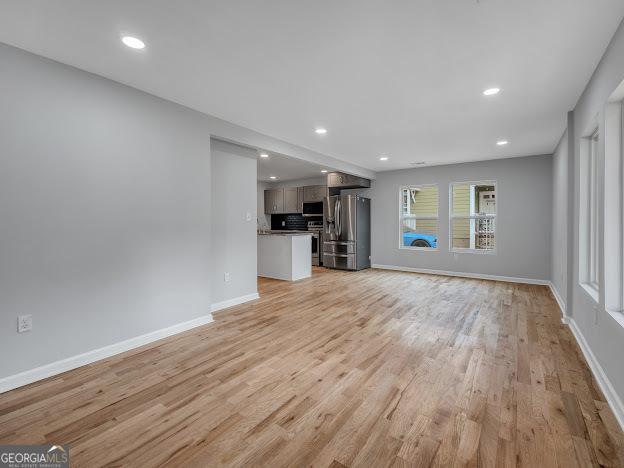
[{"x": 340, "y": 180}]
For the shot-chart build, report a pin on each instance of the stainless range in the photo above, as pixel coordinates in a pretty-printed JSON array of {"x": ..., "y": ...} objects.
[{"x": 316, "y": 227}]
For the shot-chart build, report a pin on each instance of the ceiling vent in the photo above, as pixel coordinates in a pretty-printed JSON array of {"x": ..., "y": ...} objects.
[{"x": 418, "y": 163}]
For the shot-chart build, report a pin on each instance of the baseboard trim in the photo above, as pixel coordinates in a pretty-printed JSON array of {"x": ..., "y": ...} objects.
[
  {"x": 507, "y": 279},
  {"x": 49, "y": 370},
  {"x": 560, "y": 302},
  {"x": 614, "y": 401},
  {"x": 234, "y": 302},
  {"x": 64, "y": 365},
  {"x": 599, "y": 374}
]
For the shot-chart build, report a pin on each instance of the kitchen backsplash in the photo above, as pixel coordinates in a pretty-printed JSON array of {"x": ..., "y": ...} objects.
[{"x": 295, "y": 222}]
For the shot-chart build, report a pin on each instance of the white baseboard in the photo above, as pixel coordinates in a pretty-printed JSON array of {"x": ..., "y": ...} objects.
[
  {"x": 507, "y": 279},
  {"x": 601, "y": 377},
  {"x": 73, "y": 362},
  {"x": 599, "y": 374},
  {"x": 64, "y": 365},
  {"x": 560, "y": 302},
  {"x": 234, "y": 302}
]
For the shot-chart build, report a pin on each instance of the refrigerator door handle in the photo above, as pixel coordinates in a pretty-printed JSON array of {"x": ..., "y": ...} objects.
[{"x": 338, "y": 216}]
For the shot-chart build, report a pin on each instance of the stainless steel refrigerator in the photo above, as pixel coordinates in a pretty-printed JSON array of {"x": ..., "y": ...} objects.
[{"x": 346, "y": 232}]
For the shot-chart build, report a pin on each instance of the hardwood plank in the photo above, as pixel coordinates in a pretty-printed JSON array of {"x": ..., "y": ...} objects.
[{"x": 382, "y": 369}]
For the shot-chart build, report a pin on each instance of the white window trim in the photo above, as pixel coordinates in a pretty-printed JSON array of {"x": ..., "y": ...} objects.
[
  {"x": 452, "y": 249},
  {"x": 437, "y": 218},
  {"x": 614, "y": 206},
  {"x": 589, "y": 216}
]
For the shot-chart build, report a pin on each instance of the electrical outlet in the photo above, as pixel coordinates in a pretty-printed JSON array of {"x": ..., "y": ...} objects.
[
  {"x": 226, "y": 277},
  {"x": 24, "y": 323},
  {"x": 248, "y": 216}
]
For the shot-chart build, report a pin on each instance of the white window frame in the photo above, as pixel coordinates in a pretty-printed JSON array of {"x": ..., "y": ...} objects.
[
  {"x": 473, "y": 218},
  {"x": 402, "y": 217},
  {"x": 589, "y": 218},
  {"x": 613, "y": 194}
]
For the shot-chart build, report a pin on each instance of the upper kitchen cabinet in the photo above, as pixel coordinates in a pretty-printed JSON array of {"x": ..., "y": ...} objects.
[
  {"x": 290, "y": 200},
  {"x": 291, "y": 204},
  {"x": 314, "y": 193},
  {"x": 299, "y": 199},
  {"x": 274, "y": 201}
]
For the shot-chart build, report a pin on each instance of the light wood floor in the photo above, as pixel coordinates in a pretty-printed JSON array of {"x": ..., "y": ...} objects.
[{"x": 344, "y": 369}]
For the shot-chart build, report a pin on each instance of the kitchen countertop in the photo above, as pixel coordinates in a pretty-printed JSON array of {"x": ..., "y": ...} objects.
[{"x": 286, "y": 233}]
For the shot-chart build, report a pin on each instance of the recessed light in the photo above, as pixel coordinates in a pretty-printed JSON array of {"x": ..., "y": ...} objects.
[
  {"x": 491, "y": 91},
  {"x": 321, "y": 131},
  {"x": 502, "y": 142},
  {"x": 133, "y": 42},
  {"x": 383, "y": 158},
  {"x": 264, "y": 155},
  {"x": 323, "y": 171},
  {"x": 272, "y": 177}
]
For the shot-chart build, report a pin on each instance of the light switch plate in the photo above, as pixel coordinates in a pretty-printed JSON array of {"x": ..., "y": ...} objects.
[{"x": 24, "y": 323}]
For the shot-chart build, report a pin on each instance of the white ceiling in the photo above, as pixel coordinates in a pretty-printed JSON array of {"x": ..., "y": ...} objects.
[
  {"x": 286, "y": 168},
  {"x": 401, "y": 78}
]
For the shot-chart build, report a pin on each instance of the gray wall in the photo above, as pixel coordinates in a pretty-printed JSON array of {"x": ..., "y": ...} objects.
[
  {"x": 603, "y": 334},
  {"x": 559, "y": 246},
  {"x": 233, "y": 240},
  {"x": 523, "y": 225},
  {"x": 105, "y": 209}
]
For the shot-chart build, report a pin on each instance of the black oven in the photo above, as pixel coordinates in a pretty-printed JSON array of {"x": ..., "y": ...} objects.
[{"x": 313, "y": 208}]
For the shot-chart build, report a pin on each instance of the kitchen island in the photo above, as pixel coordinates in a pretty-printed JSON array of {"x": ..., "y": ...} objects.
[{"x": 285, "y": 255}]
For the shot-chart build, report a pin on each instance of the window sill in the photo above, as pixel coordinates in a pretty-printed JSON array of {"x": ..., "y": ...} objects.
[
  {"x": 618, "y": 316},
  {"x": 592, "y": 292},
  {"x": 475, "y": 251},
  {"x": 421, "y": 249}
]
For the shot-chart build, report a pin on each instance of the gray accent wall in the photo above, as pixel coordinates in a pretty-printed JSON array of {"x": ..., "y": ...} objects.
[
  {"x": 104, "y": 208},
  {"x": 234, "y": 206},
  {"x": 523, "y": 225},
  {"x": 603, "y": 334}
]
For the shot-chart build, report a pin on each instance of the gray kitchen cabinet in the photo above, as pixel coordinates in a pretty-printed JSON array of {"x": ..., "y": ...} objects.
[
  {"x": 268, "y": 202},
  {"x": 299, "y": 199},
  {"x": 274, "y": 201},
  {"x": 314, "y": 193},
  {"x": 290, "y": 200}
]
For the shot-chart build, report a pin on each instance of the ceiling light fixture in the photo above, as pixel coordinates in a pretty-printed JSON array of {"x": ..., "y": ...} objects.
[
  {"x": 133, "y": 42},
  {"x": 320, "y": 131},
  {"x": 502, "y": 142},
  {"x": 383, "y": 158},
  {"x": 264, "y": 155},
  {"x": 272, "y": 177},
  {"x": 323, "y": 171},
  {"x": 491, "y": 91}
]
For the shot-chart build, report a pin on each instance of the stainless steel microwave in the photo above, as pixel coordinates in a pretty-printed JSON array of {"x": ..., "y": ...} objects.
[{"x": 313, "y": 208}]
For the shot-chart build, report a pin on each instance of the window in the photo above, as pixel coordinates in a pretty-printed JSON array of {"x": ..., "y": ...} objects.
[
  {"x": 473, "y": 217},
  {"x": 419, "y": 217},
  {"x": 613, "y": 190},
  {"x": 589, "y": 222}
]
